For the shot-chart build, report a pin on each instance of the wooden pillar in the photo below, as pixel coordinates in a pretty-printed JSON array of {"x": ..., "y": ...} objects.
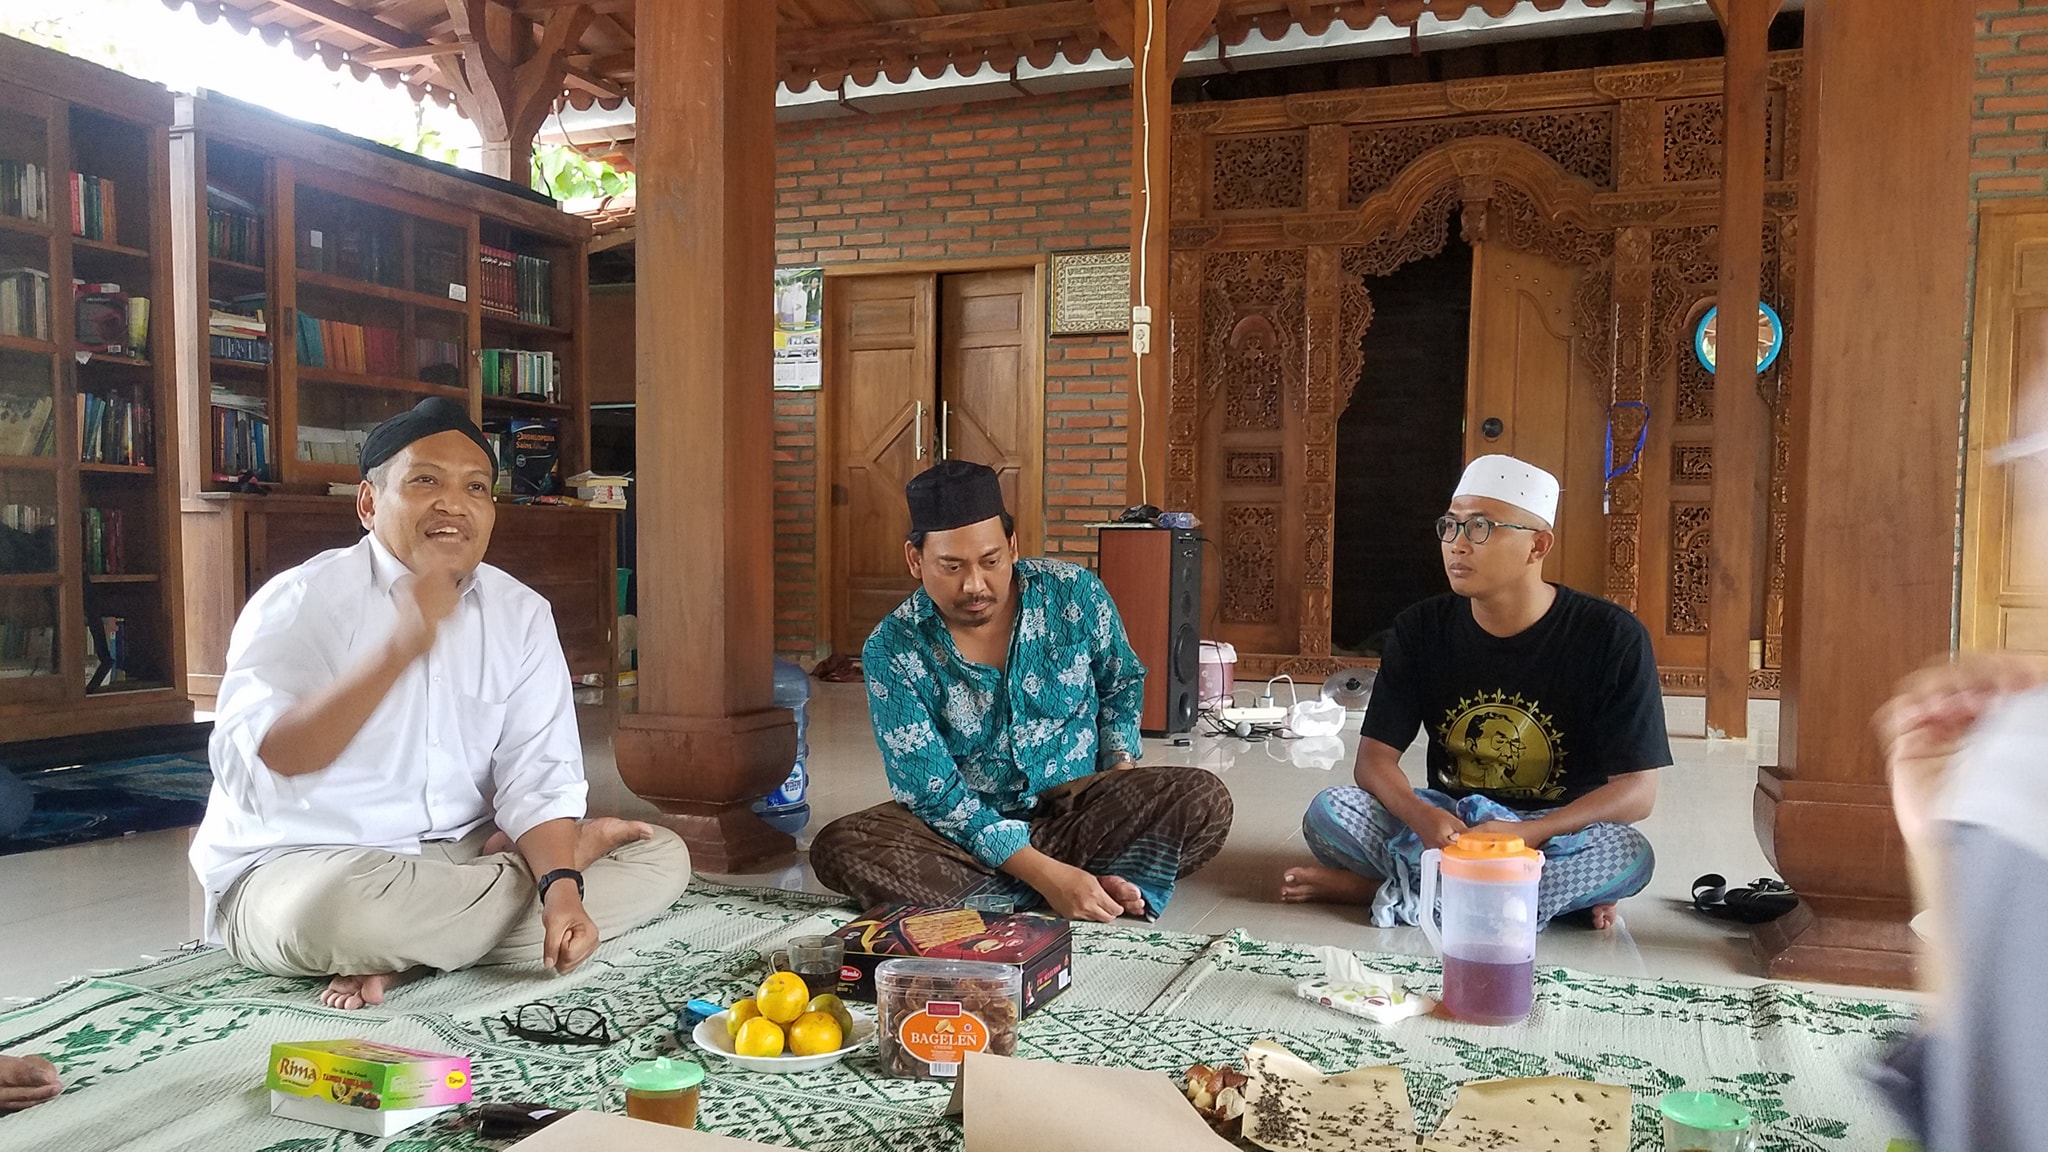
[
  {"x": 1876, "y": 355},
  {"x": 1741, "y": 424},
  {"x": 1152, "y": 66},
  {"x": 707, "y": 739}
]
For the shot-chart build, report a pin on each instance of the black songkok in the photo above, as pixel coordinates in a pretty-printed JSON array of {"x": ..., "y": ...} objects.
[
  {"x": 953, "y": 494},
  {"x": 429, "y": 416}
]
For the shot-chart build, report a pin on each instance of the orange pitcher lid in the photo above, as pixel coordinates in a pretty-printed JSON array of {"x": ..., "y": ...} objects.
[{"x": 1488, "y": 847}]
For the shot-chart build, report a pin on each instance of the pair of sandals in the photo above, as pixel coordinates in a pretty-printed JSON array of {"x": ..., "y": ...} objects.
[{"x": 1763, "y": 901}]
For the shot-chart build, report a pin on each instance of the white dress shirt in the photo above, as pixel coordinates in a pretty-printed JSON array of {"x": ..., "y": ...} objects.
[{"x": 483, "y": 727}]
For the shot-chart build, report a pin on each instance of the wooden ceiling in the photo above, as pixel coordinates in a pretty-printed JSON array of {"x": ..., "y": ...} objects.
[{"x": 828, "y": 42}]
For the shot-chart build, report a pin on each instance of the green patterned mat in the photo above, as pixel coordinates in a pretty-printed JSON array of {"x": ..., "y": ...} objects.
[{"x": 170, "y": 1056}]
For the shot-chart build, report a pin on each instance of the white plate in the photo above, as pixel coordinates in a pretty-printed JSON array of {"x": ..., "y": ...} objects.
[{"x": 711, "y": 1037}]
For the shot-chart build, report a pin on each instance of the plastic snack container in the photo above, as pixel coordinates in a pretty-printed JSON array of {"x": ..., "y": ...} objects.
[{"x": 934, "y": 1012}]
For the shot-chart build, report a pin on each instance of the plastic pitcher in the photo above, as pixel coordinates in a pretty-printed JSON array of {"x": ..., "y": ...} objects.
[{"x": 1488, "y": 937}]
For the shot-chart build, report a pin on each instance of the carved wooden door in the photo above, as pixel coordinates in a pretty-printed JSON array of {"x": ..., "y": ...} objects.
[
  {"x": 2005, "y": 578},
  {"x": 880, "y": 340},
  {"x": 1252, "y": 443},
  {"x": 991, "y": 402},
  {"x": 1527, "y": 395}
]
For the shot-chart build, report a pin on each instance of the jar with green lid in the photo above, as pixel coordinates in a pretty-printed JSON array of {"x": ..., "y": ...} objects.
[
  {"x": 663, "y": 1091},
  {"x": 1705, "y": 1122}
]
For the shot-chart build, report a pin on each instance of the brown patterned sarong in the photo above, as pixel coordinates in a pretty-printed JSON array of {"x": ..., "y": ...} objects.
[{"x": 1149, "y": 825}]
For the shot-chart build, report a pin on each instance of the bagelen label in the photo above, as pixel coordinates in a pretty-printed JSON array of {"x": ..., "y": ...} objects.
[{"x": 942, "y": 1034}]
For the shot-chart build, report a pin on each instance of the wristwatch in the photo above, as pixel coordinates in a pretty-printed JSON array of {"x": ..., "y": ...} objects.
[{"x": 560, "y": 874}]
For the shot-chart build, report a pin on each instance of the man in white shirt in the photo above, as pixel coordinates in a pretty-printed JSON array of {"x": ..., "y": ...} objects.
[{"x": 398, "y": 778}]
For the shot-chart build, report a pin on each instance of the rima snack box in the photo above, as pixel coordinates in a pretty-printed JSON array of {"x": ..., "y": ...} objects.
[
  {"x": 1042, "y": 946},
  {"x": 363, "y": 1087}
]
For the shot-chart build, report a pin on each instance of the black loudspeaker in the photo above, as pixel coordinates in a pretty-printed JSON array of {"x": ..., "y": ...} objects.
[{"x": 1155, "y": 577}]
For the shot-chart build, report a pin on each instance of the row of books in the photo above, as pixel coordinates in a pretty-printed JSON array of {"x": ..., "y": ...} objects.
[
  {"x": 521, "y": 287},
  {"x": 27, "y": 517},
  {"x": 92, "y": 207},
  {"x": 27, "y": 425},
  {"x": 25, "y": 303},
  {"x": 440, "y": 361},
  {"x": 106, "y": 546},
  {"x": 24, "y": 190},
  {"x": 348, "y": 347},
  {"x": 241, "y": 436},
  {"x": 237, "y": 330},
  {"x": 115, "y": 631},
  {"x": 332, "y": 445},
  {"x": 234, "y": 227},
  {"x": 114, "y": 428},
  {"x": 512, "y": 372},
  {"x": 349, "y": 248},
  {"x": 27, "y": 649}
]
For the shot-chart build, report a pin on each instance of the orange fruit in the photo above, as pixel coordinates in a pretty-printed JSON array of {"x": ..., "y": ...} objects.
[
  {"x": 782, "y": 997},
  {"x": 758, "y": 1037},
  {"x": 834, "y": 1007},
  {"x": 740, "y": 1012},
  {"x": 814, "y": 1034}
]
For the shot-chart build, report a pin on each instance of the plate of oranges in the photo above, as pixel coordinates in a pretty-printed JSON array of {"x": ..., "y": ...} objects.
[{"x": 783, "y": 1028}]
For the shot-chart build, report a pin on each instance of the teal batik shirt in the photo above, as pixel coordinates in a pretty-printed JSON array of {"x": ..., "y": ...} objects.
[{"x": 968, "y": 748}]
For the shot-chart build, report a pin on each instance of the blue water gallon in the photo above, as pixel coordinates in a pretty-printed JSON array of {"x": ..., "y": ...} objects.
[{"x": 788, "y": 809}]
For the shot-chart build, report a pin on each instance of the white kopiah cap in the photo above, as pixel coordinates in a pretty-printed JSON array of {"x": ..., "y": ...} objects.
[{"x": 1511, "y": 481}]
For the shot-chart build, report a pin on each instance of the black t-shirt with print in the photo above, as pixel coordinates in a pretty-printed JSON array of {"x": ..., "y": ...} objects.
[{"x": 1533, "y": 720}]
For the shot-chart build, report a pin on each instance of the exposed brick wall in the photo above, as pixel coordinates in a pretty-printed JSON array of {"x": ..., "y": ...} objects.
[
  {"x": 2009, "y": 135},
  {"x": 1031, "y": 175}
]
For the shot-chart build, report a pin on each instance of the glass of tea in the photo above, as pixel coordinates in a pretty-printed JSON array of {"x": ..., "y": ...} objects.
[{"x": 814, "y": 958}]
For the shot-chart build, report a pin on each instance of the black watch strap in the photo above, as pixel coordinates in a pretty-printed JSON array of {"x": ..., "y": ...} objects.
[{"x": 561, "y": 874}]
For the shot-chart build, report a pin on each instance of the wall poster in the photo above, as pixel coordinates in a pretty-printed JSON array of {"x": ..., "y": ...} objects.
[{"x": 799, "y": 328}]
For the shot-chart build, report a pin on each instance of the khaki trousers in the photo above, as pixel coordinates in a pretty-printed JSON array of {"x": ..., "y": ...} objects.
[{"x": 364, "y": 911}]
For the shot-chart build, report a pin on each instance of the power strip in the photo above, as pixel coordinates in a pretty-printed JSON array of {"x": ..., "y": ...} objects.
[{"x": 1254, "y": 715}]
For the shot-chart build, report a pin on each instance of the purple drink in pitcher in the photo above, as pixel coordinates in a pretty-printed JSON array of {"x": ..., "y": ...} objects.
[{"x": 1486, "y": 993}]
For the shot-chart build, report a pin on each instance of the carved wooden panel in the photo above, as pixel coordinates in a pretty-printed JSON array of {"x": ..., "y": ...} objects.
[
  {"x": 1248, "y": 173},
  {"x": 1251, "y": 547},
  {"x": 1692, "y": 463},
  {"x": 1252, "y": 467},
  {"x": 1291, "y": 202},
  {"x": 1581, "y": 141},
  {"x": 1691, "y": 538},
  {"x": 1692, "y": 139},
  {"x": 1250, "y": 403}
]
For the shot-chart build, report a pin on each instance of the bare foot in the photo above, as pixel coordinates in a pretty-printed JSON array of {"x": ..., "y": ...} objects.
[
  {"x": 499, "y": 842},
  {"x": 600, "y": 836},
  {"x": 1604, "y": 915},
  {"x": 26, "y": 1080},
  {"x": 1125, "y": 893},
  {"x": 350, "y": 993},
  {"x": 1312, "y": 884}
]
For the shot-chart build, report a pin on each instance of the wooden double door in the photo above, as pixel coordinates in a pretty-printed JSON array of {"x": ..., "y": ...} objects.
[
  {"x": 2005, "y": 557},
  {"x": 921, "y": 367}
]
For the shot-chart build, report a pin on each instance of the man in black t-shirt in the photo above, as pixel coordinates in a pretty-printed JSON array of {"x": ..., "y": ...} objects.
[{"x": 1542, "y": 713}]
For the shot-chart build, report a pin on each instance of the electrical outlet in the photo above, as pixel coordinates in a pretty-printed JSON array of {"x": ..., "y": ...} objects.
[
  {"x": 1141, "y": 339},
  {"x": 1141, "y": 313},
  {"x": 1254, "y": 715}
]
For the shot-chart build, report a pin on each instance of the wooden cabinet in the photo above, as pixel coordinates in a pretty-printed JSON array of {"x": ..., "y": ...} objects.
[
  {"x": 237, "y": 543},
  {"x": 89, "y": 556},
  {"x": 328, "y": 283}
]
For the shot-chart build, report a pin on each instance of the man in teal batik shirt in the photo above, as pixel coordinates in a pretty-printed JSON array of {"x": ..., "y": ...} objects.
[{"x": 1005, "y": 701}]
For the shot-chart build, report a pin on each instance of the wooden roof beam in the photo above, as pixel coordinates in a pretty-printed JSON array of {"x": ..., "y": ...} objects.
[
  {"x": 344, "y": 18},
  {"x": 926, "y": 33}
]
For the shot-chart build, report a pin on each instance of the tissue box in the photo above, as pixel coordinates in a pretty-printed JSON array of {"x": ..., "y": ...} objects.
[
  {"x": 362, "y": 1086},
  {"x": 1041, "y": 946}
]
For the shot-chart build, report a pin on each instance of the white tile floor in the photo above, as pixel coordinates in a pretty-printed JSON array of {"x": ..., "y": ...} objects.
[{"x": 68, "y": 911}]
